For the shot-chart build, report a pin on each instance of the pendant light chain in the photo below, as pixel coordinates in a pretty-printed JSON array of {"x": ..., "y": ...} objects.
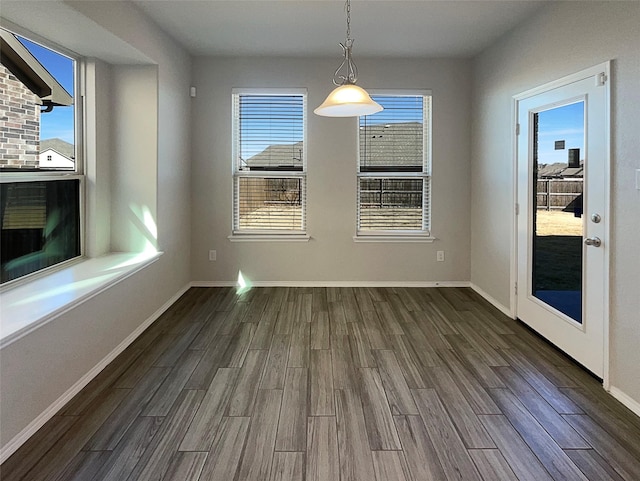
[
  {"x": 348, "y": 8},
  {"x": 351, "y": 74}
]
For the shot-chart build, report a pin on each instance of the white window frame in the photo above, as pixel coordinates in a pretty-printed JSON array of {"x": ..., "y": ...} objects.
[
  {"x": 51, "y": 175},
  {"x": 397, "y": 235},
  {"x": 237, "y": 173},
  {"x": 31, "y": 301}
]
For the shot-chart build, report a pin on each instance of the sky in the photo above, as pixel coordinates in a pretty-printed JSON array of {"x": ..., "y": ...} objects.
[
  {"x": 59, "y": 122},
  {"x": 267, "y": 120},
  {"x": 396, "y": 109},
  {"x": 561, "y": 123}
]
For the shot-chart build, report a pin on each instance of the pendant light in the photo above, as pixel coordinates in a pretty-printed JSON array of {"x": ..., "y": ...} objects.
[{"x": 347, "y": 99}]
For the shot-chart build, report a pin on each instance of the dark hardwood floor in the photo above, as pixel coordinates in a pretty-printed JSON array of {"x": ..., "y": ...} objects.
[{"x": 336, "y": 384}]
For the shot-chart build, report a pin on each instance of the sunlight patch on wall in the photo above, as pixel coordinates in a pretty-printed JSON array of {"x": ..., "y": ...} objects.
[{"x": 144, "y": 232}]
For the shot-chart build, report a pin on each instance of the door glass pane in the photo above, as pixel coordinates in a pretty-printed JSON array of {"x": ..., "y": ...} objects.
[{"x": 559, "y": 153}]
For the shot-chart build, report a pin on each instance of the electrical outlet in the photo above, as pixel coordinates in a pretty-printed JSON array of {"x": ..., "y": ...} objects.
[
  {"x": 212, "y": 255},
  {"x": 440, "y": 256}
]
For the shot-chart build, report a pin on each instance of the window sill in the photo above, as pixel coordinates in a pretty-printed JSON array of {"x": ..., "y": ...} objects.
[
  {"x": 393, "y": 238},
  {"x": 269, "y": 238},
  {"x": 28, "y": 306}
]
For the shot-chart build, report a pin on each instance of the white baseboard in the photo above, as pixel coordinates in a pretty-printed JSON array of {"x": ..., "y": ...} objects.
[
  {"x": 505, "y": 310},
  {"x": 625, "y": 399},
  {"x": 335, "y": 284},
  {"x": 213, "y": 283},
  {"x": 18, "y": 440}
]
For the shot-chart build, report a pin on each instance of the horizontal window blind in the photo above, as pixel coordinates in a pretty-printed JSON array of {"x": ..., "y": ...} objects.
[
  {"x": 269, "y": 173},
  {"x": 393, "y": 139},
  {"x": 270, "y": 132},
  {"x": 269, "y": 204},
  {"x": 393, "y": 178}
]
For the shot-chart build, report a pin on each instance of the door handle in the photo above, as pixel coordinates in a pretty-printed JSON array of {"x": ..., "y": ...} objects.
[{"x": 593, "y": 241}]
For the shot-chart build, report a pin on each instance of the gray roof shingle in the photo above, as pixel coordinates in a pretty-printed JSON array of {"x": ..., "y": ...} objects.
[{"x": 60, "y": 146}]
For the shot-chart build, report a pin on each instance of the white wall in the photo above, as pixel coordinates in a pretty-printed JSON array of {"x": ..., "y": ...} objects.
[
  {"x": 37, "y": 369},
  {"x": 562, "y": 39},
  {"x": 135, "y": 145},
  {"x": 331, "y": 255}
]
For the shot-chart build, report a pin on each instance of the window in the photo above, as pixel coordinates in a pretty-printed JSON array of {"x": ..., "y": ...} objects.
[
  {"x": 269, "y": 173},
  {"x": 40, "y": 203},
  {"x": 394, "y": 167}
]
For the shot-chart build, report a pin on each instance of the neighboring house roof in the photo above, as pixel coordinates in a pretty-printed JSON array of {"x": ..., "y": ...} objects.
[
  {"x": 573, "y": 172},
  {"x": 60, "y": 146},
  {"x": 559, "y": 170},
  {"x": 278, "y": 155},
  {"x": 403, "y": 142},
  {"x": 21, "y": 63}
]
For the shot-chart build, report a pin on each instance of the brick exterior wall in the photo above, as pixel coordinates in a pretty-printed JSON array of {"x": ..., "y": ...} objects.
[{"x": 19, "y": 123}]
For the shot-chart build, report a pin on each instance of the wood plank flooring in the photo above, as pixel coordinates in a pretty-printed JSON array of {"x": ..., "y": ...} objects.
[{"x": 336, "y": 384}]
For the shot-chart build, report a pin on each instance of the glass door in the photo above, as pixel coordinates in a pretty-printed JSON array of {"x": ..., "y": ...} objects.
[
  {"x": 562, "y": 221},
  {"x": 557, "y": 220}
]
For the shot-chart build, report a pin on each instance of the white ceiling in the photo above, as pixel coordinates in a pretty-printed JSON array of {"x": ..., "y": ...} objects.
[{"x": 421, "y": 28}]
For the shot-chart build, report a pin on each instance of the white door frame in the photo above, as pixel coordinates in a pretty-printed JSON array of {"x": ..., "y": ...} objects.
[{"x": 581, "y": 75}]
